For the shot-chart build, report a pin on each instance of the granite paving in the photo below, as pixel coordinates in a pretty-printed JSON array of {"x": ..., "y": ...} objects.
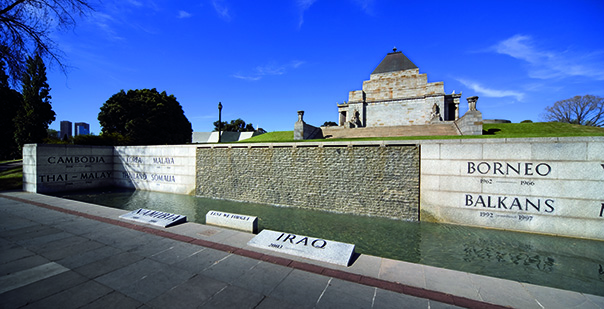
[{"x": 56, "y": 253}]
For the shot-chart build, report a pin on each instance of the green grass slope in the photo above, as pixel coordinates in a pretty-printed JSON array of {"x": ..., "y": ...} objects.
[
  {"x": 499, "y": 130},
  {"x": 11, "y": 179}
]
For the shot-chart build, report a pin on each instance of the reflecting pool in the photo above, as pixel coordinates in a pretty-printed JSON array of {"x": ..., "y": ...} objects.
[{"x": 560, "y": 262}]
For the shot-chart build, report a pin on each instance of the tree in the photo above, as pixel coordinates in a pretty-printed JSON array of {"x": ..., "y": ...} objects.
[
  {"x": 35, "y": 114},
  {"x": 329, "y": 124},
  {"x": 587, "y": 110},
  {"x": 145, "y": 117},
  {"x": 26, "y": 27},
  {"x": 10, "y": 102},
  {"x": 237, "y": 125}
]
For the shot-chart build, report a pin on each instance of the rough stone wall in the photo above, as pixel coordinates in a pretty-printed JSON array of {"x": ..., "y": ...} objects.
[{"x": 368, "y": 180}]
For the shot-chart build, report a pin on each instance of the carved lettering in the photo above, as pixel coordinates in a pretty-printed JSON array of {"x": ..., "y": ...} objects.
[
  {"x": 138, "y": 160},
  {"x": 75, "y": 159},
  {"x": 303, "y": 240},
  {"x": 321, "y": 245},
  {"x": 161, "y": 160},
  {"x": 95, "y": 175},
  {"x": 317, "y": 243},
  {"x": 540, "y": 205},
  {"x": 290, "y": 237},
  {"x": 163, "y": 178},
  {"x": 134, "y": 176},
  {"x": 53, "y": 178},
  {"x": 506, "y": 169}
]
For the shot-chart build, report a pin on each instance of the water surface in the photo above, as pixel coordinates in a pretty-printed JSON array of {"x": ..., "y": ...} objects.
[{"x": 560, "y": 262}]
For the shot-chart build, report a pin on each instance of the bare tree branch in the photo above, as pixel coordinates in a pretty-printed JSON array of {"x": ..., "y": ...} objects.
[
  {"x": 585, "y": 110},
  {"x": 25, "y": 27}
]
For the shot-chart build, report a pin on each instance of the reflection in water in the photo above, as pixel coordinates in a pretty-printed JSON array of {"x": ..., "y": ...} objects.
[
  {"x": 488, "y": 250},
  {"x": 567, "y": 263}
]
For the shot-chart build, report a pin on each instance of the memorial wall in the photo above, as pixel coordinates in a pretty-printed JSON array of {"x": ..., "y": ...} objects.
[
  {"x": 156, "y": 168},
  {"x": 59, "y": 168},
  {"x": 539, "y": 185}
]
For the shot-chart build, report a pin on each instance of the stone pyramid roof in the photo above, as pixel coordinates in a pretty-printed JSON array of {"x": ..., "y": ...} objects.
[{"x": 394, "y": 61}]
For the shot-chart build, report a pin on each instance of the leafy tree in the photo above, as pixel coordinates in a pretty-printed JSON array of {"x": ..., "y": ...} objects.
[
  {"x": 35, "y": 114},
  {"x": 587, "y": 110},
  {"x": 26, "y": 27},
  {"x": 108, "y": 139},
  {"x": 237, "y": 125},
  {"x": 10, "y": 102},
  {"x": 52, "y": 133},
  {"x": 329, "y": 124},
  {"x": 145, "y": 117}
]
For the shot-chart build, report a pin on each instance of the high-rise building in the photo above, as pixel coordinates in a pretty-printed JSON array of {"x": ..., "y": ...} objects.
[
  {"x": 65, "y": 129},
  {"x": 82, "y": 128}
]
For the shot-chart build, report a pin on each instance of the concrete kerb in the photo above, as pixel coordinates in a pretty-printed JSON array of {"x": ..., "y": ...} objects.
[{"x": 325, "y": 270}]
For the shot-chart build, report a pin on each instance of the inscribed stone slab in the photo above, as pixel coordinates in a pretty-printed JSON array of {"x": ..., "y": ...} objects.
[
  {"x": 313, "y": 248},
  {"x": 234, "y": 221},
  {"x": 154, "y": 217}
]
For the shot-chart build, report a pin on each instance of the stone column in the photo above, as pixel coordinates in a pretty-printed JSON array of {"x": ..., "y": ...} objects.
[
  {"x": 472, "y": 103},
  {"x": 299, "y": 127}
]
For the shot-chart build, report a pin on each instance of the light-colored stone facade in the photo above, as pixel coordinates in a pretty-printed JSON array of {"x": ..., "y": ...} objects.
[
  {"x": 398, "y": 96},
  {"x": 59, "y": 168},
  {"x": 539, "y": 185},
  {"x": 155, "y": 168}
]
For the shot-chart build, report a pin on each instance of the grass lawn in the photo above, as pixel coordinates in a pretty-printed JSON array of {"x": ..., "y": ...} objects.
[
  {"x": 499, "y": 130},
  {"x": 11, "y": 179}
]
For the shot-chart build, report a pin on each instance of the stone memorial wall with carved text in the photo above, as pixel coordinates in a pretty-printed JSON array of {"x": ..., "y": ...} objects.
[
  {"x": 59, "y": 168},
  {"x": 540, "y": 185},
  {"x": 56, "y": 168},
  {"x": 156, "y": 168}
]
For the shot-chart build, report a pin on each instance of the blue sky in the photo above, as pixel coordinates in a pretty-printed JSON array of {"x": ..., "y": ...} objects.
[{"x": 265, "y": 60}]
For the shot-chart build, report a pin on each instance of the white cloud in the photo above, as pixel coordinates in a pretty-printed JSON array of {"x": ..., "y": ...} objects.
[
  {"x": 247, "y": 77},
  {"x": 491, "y": 93},
  {"x": 221, "y": 9},
  {"x": 366, "y": 6},
  {"x": 106, "y": 23},
  {"x": 303, "y": 5},
  {"x": 544, "y": 64},
  {"x": 135, "y": 3},
  {"x": 270, "y": 69},
  {"x": 184, "y": 14}
]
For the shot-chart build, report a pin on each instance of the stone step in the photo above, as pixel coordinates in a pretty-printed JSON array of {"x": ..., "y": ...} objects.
[{"x": 412, "y": 130}]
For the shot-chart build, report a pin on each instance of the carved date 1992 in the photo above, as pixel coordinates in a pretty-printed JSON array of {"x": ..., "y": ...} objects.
[{"x": 486, "y": 214}]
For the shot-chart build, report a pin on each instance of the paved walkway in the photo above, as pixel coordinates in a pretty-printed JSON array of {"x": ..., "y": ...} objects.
[{"x": 57, "y": 253}]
